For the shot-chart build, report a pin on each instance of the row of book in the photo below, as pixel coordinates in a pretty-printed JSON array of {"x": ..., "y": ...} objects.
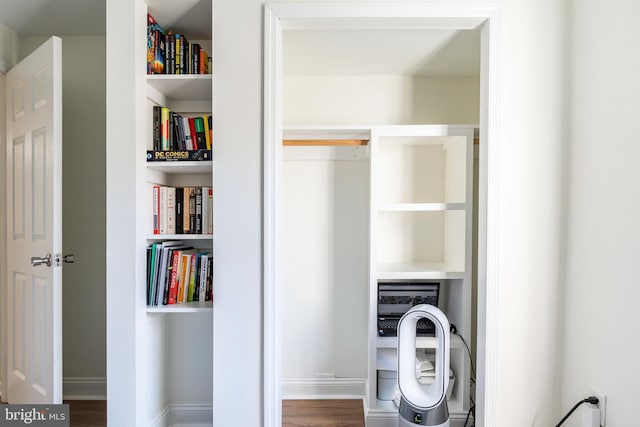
[
  {"x": 173, "y": 131},
  {"x": 169, "y": 53},
  {"x": 178, "y": 273},
  {"x": 182, "y": 210}
]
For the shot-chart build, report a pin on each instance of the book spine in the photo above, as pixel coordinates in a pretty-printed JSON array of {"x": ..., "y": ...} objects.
[
  {"x": 201, "y": 142},
  {"x": 198, "y": 210},
  {"x": 163, "y": 210},
  {"x": 171, "y": 210},
  {"x": 192, "y": 277},
  {"x": 192, "y": 210},
  {"x": 185, "y": 259},
  {"x": 207, "y": 132},
  {"x": 209, "y": 210},
  {"x": 205, "y": 210},
  {"x": 179, "y": 210},
  {"x": 156, "y": 127},
  {"x": 202, "y": 280},
  {"x": 173, "y": 283},
  {"x": 164, "y": 128},
  {"x": 188, "y": 139},
  {"x": 186, "y": 211},
  {"x": 156, "y": 209},
  {"x": 177, "y": 54},
  {"x": 209, "y": 292}
]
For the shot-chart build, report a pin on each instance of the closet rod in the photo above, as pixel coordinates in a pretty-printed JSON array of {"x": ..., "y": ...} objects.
[{"x": 324, "y": 142}]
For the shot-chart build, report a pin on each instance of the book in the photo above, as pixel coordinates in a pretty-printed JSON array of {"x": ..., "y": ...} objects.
[
  {"x": 186, "y": 214},
  {"x": 198, "y": 223},
  {"x": 171, "y": 210},
  {"x": 156, "y": 209},
  {"x": 202, "y": 279},
  {"x": 209, "y": 210},
  {"x": 178, "y": 155},
  {"x": 156, "y": 128},
  {"x": 179, "y": 210},
  {"x": 192, "y": 277},
  {"x": 207, "y": 132},
  {"x": 205, "y": 209},
  {"x": 209, "y": 291},
  {"x": 198, "y": 124},
  {"x": 188, "y": 139},
  {"x": 185, "y": 275},
  {"x": 192, "y": 210},
  {"x": 162, "y": 213},
  {"x": 155, "y": 47},
  {"x": 164, "y": 128}
]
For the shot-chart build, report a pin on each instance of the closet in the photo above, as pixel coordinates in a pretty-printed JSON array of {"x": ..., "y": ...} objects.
[{"x": 376, "y": 185}]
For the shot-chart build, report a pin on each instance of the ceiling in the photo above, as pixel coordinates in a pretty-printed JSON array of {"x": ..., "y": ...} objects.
[
  {"x": 54, "y": 17},
  {"x": 382, "y": 52},
  {"x": 435, "y": 52}
]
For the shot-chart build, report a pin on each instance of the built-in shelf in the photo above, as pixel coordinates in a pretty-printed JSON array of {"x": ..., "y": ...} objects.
[
  {"x": 192, "y": 87},
  {"x": 190, "y": 307},
  {"x": 162, "y": 237},
  {"x": 421, "y": 342},
  {"x": 433, "y": 270},
  {"x": 421, "y": 207},
  {"x": 182, "y": 168}
]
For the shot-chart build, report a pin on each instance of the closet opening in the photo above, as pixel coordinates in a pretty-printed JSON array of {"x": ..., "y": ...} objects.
[{"x": 372, "y": 174}]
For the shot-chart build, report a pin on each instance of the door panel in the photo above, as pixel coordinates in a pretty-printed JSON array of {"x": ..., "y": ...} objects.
[{"x": 34, "y": 198}]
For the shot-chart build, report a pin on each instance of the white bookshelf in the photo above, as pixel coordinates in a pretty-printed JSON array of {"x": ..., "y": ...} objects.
[
  {"x": 175, "y": 331},
  {"x": 420, "y": 229}
]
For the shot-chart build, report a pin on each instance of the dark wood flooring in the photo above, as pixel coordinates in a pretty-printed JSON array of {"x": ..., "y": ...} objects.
[
  {"x": 87, "y": 413},
  {"x": 322, "y": 413},
  {"x": 295, "y": 413}
]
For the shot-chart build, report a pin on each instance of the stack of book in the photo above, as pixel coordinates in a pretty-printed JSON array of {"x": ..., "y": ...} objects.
[
  {"x": 182, "y": 210},
  {"x": 169, "y": 53},
  {"x": 172, "y": 131},
  {"x": 177, "y": 273}
]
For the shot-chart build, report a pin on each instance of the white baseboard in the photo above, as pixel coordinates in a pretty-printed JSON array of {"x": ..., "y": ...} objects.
[
  {"x": 185, "y": 415},
  {"x": 323, "y": 388},
  {"x": 84, "y": 388}
]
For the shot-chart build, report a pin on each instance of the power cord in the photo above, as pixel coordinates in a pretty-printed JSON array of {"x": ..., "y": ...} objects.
[
  {"x": 591, "y": 399},
  {"x": 472, "y": 409}
]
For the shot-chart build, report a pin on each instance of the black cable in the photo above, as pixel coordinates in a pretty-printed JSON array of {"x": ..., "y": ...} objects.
[
  {"x": 591, "y": 399},
  {"x": 454, "y": 331}
]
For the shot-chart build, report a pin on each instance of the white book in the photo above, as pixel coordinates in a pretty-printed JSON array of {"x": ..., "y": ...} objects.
[
  {"x": 171, "y": 210},
  {"x": 163, "y": 210}
]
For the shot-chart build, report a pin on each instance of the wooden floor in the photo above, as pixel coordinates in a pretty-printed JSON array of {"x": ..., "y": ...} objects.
[
  {"x": 87, "y": 413},
  {"x": 295, "y": 413},
  {"x": 317, "y": 413}
]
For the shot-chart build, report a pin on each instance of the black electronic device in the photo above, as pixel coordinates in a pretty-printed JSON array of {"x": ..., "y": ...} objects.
[{"x": 396, "y": 297}]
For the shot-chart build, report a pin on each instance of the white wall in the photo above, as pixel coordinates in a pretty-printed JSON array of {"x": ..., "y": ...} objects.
[
  {"x": 325, "y": 240},
  {"x": 384, "y": 100},
  {"x": 531, "y": 136},
  {"x": 601, "y": 337},
  {"x": 325, "y": 270},
  {"x": 8, "y": 48},
  {"x": 84, "y": 210}
]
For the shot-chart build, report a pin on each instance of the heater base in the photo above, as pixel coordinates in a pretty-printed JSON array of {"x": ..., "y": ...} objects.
[{"x": 409, "y": 415}]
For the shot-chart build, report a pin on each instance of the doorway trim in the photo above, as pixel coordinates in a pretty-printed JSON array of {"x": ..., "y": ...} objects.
[{"x": 441, "y": 15}]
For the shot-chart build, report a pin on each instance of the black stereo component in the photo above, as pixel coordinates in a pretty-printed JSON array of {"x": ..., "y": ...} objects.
[{"x": 396, "y": 298}]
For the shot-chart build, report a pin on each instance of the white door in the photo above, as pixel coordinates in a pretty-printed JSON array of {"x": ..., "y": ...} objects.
[{"x": 34, "y": 226}]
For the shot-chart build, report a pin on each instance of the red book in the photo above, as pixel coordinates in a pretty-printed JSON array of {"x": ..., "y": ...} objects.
[
  {"x": 192, "y": 131},
  {"x": 173, "y": 283}
]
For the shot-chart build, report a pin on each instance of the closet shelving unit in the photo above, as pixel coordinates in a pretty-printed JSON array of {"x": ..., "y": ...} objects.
[{"x": 421, "y": 202}]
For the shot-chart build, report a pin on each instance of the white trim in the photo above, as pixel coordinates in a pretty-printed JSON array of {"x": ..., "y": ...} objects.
[
  {"x": 323, "y": 388},
  {"x": 272, "y": 392},
  {"x": 188, "y": 415},
  {"x": 387, "y": 15},
  {"x": 84, "y": 388},
  {"x": 3, "y": 243}
]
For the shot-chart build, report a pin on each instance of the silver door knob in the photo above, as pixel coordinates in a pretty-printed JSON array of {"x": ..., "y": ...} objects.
[{"x": 36, "y": 260}]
